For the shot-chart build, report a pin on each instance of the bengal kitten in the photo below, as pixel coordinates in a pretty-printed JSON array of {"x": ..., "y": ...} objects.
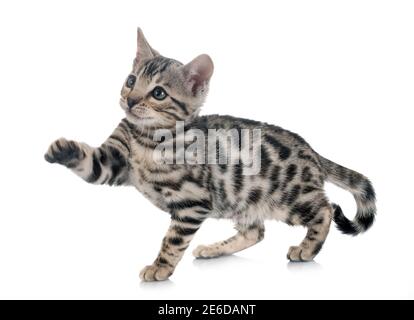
[{"x": 289, "y": 186}]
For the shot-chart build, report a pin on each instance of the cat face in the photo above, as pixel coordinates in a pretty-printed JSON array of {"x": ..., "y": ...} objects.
[{"x": 160, "y": 91}]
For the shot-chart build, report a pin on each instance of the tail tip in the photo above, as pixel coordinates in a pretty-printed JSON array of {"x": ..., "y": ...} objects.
[
  {"x": 362, "y": 223},
  {"x": 343, "y": 223}
]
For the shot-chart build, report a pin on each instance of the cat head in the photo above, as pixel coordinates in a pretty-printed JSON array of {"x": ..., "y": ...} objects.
[{"x": 160, "y": 91}]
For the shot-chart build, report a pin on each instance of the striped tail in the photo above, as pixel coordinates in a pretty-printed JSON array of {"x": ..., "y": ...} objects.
[{"x": 363, "y": 192}]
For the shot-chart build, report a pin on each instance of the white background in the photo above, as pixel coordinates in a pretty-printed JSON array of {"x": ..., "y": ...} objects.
[{"x": 340, "y": 73}]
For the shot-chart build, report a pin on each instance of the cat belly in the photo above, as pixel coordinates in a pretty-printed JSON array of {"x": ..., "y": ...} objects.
[{"x": 246, "y": 214}]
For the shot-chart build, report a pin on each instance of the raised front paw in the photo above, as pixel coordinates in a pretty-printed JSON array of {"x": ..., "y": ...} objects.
[
  {"x": 64, "y": 152},
  {"x": 156, "y": 273}
]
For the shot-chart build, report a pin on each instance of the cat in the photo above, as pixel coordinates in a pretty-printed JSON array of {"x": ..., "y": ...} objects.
[{"x": 158, "y": 93}]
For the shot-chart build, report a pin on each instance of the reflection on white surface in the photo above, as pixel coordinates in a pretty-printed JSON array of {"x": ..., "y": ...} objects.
[
  {"x": 156, "y": 285},
  {"x": 230, "y": 260},
  {"x": 303, "y": 266}
]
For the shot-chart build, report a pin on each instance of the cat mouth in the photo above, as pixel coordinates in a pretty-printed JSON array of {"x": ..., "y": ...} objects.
[
  {"x": 132, "y": 114},
  {"x": 138, "y": 117}
]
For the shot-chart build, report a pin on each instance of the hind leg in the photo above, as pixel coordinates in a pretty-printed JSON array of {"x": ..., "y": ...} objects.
[
  {"x": 245, "y": 237},
  {"x": 318, "y": 228}
]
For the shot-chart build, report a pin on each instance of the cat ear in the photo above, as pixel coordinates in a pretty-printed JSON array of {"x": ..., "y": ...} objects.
[
  {"x": 198, "y": 73},
  {"x": 144, "y": 50}
]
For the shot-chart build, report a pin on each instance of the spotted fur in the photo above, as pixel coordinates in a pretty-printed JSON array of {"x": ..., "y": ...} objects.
[{"x": 289, "y": 186}]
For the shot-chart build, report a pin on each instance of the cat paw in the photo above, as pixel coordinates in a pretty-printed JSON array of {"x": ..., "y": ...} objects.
[
  {"x": 155, "y": 273},
  {"x": 297, "y": 253},
  {"x": 64, "y": 152},
  {"x": 207, "y": 252}
]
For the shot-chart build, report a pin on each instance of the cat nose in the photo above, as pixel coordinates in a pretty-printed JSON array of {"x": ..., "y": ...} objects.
[{"x": 131, "y": 102}]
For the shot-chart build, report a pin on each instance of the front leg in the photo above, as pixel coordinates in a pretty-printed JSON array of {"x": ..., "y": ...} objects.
[
  {"x": 106, "y": 164},
  {"x": 184, "y": 224}
]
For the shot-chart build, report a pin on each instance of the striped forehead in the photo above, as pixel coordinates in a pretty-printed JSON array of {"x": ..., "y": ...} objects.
[{"x": 156, "y": 66}]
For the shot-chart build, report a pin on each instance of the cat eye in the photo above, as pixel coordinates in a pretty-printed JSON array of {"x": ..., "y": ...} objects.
[
  {"x": 159, "y": 93},
  {"x": 131, "y": 81}
]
